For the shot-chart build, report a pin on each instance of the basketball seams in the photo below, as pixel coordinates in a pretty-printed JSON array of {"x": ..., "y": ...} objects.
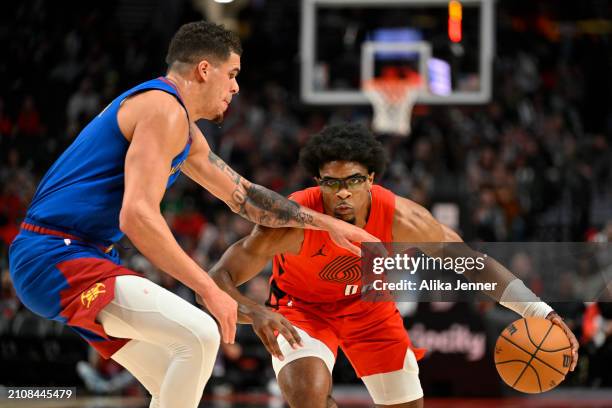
[
  {"x": 532, "y": 355},
  {"x": 516, "y": 345},
  {"x": 529, "y": 334},
  {"x": 537, "y": 375},
  {"x": 511, "y": 361},
  {"x": 556, "y": 350},
  {"x": 543, "y": 364},
  {"x": 535, "y": 352},
  {"x": 543, "y": 349}
]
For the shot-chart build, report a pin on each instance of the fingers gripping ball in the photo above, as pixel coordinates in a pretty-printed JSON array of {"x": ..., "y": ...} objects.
[{"x": 533, "y": 355}]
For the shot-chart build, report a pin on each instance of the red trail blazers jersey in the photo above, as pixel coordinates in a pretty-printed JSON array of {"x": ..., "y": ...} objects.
[{"x": 324, "y": 272}]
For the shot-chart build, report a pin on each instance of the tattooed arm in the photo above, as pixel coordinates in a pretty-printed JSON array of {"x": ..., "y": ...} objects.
[
  {"x": 259, "y": 204},
  {"x": 251, "y": 201}
]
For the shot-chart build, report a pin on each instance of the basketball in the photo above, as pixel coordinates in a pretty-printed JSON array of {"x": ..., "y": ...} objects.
[{"x": 533, "y": 355}]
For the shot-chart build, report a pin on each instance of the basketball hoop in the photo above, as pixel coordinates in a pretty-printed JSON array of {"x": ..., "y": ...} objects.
[{"x": 392, "y": 100}]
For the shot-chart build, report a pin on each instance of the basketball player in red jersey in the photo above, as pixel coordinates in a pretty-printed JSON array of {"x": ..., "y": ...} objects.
[{"x": 316, "y": 285}]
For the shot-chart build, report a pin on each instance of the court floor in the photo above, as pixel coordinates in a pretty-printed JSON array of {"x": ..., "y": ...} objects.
[{"x": 346, "y": 398}]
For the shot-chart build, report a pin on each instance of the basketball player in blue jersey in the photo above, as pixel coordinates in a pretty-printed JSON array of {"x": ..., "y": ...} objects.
[{"x": 110, "y": 182}]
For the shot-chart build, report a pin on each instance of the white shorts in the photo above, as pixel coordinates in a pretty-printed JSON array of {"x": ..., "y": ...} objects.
[{"x": 395, "y": 387}]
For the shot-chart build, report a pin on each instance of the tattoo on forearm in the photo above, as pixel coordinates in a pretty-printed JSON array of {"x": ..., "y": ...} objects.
[
  {"x": 265, "y": 207},
  {"x": 239, "y": 198},
  {"x": 216, "y": 160},
  {"x": 276, "y": 210},
  {"x": 260, "y": 205}
]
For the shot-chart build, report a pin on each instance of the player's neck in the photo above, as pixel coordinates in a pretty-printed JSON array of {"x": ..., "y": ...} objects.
[
  {"x": 184, "y": 87},
  {"x": 362, "y": 217}
]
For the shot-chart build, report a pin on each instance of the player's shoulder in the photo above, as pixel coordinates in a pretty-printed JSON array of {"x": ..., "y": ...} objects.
[
  {"x": 406, "y": 208},
  {"x": 153, "y": 109},
  {"x": 156, "y": 101},
  {"x": 383, "y": 197},
  {"x": 306, "y": 197},
  {"x": 414, "y": 222},
  {"x": 273, "y": 241}
]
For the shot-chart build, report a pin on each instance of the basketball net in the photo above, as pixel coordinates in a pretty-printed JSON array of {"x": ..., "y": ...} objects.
[{"x": 393, "y": 98}]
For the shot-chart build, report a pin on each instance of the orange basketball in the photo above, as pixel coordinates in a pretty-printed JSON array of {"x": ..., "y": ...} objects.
[{"x": 533, "y": 355}]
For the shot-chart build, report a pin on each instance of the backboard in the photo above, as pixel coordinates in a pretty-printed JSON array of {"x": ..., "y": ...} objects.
[{"x": 346, "y": 42}]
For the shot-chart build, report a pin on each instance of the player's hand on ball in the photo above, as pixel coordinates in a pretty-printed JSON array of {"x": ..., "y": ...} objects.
[
  {"x": 224, "y": 309},
  {"x": 556, "y": 319},
  {"x": 344, "y": 234},
  {"x": 266, "y": 323}
]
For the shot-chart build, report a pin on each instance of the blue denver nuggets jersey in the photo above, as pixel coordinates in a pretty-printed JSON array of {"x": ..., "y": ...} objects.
[{"x": 82, "y": 192}]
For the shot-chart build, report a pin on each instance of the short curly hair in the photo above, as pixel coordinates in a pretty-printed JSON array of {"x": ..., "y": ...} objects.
[
  {"x": 343, "y": 142},
  {"x": 202, "y": 39}
]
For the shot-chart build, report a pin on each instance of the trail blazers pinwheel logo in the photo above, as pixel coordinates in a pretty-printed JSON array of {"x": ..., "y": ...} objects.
[{"x": 343, "y": 269}]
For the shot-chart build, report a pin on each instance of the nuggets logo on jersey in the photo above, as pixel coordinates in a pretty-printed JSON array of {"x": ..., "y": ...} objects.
[
  {"x": 92, "y": 294},
  {"x": 177, "y": 167}
]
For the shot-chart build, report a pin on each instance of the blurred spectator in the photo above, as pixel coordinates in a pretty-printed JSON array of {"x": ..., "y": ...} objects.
[
  {"x": 28, "y": 121},
  {"x": 522, "y": 266},
  {"x": 6, "y": 124},
  {"x": 605, "y": 235},
  {"x": 12, "y": 211},
  {"x": 9, "y": 304},
  {"x": 83, "y": 104},
  {"x": 489, "y": 218},
  {"x": 105, "y": 377},
  {"x": 246, "y": 362},
  {"x": 597, "y": 340}
]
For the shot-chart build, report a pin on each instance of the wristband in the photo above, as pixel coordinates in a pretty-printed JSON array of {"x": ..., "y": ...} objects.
[{"x": 520, "y": 299}]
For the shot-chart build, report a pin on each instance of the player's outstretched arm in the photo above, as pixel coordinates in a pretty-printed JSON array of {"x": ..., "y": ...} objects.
[
  {"x": 156, "y": 127},
  {"x": 244, "y": 260},
  {"x": 259, "y": 204},
  {"x": 414, "y": 224}
]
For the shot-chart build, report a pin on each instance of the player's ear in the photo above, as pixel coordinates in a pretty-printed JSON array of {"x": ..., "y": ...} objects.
[
  {"x": 203, "y": 70},
  {"x": 371, "y": 178}
]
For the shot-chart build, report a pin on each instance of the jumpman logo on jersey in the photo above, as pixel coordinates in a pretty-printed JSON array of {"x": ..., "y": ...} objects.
[{"x": 319, "y": 252}]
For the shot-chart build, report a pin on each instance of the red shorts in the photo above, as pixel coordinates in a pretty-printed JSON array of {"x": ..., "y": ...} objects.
[
  {"x": 371, "y": 334},
  {"x": 67, "y": 279}
]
